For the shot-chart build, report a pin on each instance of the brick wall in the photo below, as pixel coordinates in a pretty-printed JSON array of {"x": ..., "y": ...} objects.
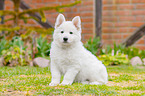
[
  {"x": 119, "y": 18},
  {"x": 85, "y": 10}
]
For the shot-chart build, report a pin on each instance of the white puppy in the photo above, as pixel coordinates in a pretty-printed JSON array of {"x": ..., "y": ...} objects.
[{"x": 71, "y": 59}]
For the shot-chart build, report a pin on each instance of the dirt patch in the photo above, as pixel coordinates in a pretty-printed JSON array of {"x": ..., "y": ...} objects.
[
  {"x": 115, "y": 74},
  {"x": 137, "y": 76},
  {"x": 34, "y": 75},
  {"x": 141, "y": 67},
  {"x": 2, "y": 79},
  {"x": 123, "y": 84},
  {"x": 16, "y": 93},
  {"x": 130, "y": 91}
]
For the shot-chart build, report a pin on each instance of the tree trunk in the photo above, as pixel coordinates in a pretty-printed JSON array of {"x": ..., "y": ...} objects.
[{"x": 135, "y": 36}]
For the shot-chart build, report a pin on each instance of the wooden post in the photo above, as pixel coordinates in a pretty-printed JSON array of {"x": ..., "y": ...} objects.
[
  {"x": 2, "y": 8},
  {"x": 98, "y": 18}
]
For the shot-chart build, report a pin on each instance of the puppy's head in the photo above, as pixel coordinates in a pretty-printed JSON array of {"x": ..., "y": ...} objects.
[{"x": 67, "y": 32}]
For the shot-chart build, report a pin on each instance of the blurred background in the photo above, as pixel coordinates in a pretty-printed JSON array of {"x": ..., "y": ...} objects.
[
  {"x": 120, "y": 18},
  {"x": 108, "y": 27}
]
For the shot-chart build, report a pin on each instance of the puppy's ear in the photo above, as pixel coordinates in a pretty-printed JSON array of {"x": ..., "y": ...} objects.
[
  {"x": 77, "y": 22},
  {"x": 60, "y": 19}
]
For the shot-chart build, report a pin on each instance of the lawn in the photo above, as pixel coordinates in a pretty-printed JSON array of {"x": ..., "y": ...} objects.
[{"x": 22, "y": 81}]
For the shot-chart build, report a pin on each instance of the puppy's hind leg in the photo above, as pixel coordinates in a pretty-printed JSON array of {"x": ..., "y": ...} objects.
[
  {"x": 85, "y": 82},
  {"x": 96, "y": 83}
]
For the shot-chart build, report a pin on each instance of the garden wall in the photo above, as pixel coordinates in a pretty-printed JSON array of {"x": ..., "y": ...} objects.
[{"x": 120, "y": 18}]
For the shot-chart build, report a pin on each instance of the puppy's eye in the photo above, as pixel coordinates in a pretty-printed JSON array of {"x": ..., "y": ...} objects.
[
  {"x": 71, "y": 32},
  {"x": 62, "y": 31}
]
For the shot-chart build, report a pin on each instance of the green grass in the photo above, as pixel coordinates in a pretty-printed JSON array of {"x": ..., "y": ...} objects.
[{"x": 123, "y": 81}]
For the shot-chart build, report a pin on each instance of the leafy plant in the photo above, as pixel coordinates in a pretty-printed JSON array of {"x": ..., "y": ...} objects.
[
  {"x": 118, "y": 59},
  {"x": 130, "y": 51},
  {"x": 43, "y": 47},
  {"x": 116, "y": 55},
  {"x": 16, "y": 54},
  {"x": 116, "y": 48},
  {"x": 93, "y": 45},
  {"x": 17, "y": 41},
  {"x": 3, "y": 45}
]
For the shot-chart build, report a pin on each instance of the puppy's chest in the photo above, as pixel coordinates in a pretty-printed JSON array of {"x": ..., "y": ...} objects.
[
  {"x": 66, "y": 58},
  {"x": 65, "y": 61}
]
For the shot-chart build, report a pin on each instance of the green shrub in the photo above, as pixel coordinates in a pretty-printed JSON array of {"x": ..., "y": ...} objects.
[
  {"x": 130, "y": 51},
  {"x": 116, "y": 55},
  {"x": 16, "y": 56},
  {"x": 16, "y": 53},
  {"x": 110, "y": 59},
  {"x": 3, "y": 45},
  {"x": 43, "y": 47},
  {"x": 93, "y": 45}
]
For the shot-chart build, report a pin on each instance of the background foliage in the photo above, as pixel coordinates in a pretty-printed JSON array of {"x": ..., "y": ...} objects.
[
  {"x": 116, "y": 55},
  {"x": 20, "y": 43},
  {"x": 18, "y": 40}
]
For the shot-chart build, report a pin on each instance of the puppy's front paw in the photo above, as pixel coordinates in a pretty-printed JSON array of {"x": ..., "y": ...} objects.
[
  {"x": 65, "y": 83},
  {"x": 53, "y": 84}
]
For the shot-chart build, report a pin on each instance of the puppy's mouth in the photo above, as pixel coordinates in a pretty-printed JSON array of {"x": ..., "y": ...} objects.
[{"x": 65, "y": 41}]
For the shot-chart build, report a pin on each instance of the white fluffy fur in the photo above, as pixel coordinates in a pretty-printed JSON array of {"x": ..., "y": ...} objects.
[{"x": 71, "y": 59}]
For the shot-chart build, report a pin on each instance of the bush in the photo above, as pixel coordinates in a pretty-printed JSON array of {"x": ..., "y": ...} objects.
[
  {"x": 130, "y": 51},
  {"x": 16, "y": 53},
  {"x": 117, "y": 55},
  {"x": 16, "y": 56},
  {"x": 117, "y": 59},
  {"x": 93, "y": 45},
  {"x": 43, "y": 47},
  {"x": 3, "y": 45}
]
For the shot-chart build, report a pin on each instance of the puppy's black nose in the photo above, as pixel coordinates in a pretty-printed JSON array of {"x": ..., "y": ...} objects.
[{"x": 65, "y": 39}]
